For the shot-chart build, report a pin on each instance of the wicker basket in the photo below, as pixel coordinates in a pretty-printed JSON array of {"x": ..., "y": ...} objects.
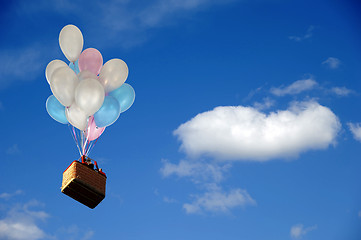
[{"x": 84, "y": 184}]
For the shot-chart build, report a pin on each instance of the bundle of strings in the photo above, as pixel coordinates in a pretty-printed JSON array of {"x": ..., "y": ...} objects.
[{"x": 82, "y": 141}]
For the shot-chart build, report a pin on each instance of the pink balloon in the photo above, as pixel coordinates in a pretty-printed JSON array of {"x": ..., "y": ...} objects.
[
  {"x": 91, "y": 59},
  {"x": 93, "y": 132}
]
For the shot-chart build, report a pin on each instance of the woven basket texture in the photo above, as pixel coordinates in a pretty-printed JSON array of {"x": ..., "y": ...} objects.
[{"x": 83, "y": 184}]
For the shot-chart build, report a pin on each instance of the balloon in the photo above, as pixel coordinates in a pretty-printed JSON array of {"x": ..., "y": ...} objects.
[
  {"x": 125, "y": 95},
  {"x": 108, "y": 113},
  {"x": 71, "y": 42},
  {"x": 74, "y": 66},
  {"x": 89, "y": 95},
  {"x": 91, "y": 59},
  {"x": 76, "y": 117},
  {"x": 56, "y": 110},
  {"x": 63, "y": 83},
  {"x": 113, "y": 74},
  {"x": 93, "y": 132},
  {"x": 52, "y": 66},
  {"x": 86, "y": 74}
]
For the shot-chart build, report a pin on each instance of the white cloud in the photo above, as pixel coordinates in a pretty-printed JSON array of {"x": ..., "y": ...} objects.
[
  {"x": 332, "y": 62},
  {"x": 295, "y": 88},
  {"x": 196, "y": 170},
  {"x": 7, "y": 196},
  {"x": 219, "y": 201},
  {"x": 307, "y": 35},
  {"x": 341, "y": 91},
  {"x": 359, "y": 214},
  {"x": 21, "y": 223},
  {"x": 244, "y": 133},
  {"x": 355, "y": 128},
  {"x": 298, "y": 231}
]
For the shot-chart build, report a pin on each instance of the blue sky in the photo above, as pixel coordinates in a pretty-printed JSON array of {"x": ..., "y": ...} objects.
[{"x": 246, "y": 123}]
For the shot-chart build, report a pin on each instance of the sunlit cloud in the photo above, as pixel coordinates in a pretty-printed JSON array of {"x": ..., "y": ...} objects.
[{"x": 245, "y": 133}]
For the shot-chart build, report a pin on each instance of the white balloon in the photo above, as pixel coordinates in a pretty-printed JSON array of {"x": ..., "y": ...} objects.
[
  {"x": 71, "y": 42},
  {"x": 86, "y": 74},
  {"x": 77, "y": 117},
  {"x": 89, "y": 95},
  {"x": 52, "y": 66},
  {"x": 113, "y": 74},
  {"x": 63, "y": 83}
]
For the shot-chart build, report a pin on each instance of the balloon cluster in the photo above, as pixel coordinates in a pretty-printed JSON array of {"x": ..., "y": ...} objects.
[{"x": 87, "y": 94}]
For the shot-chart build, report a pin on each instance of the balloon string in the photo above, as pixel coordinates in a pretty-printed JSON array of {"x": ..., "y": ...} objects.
[
  {"x": 87, "y": 142},
  {"x": 93, "y": 144},
  {"x": 72, "y": 133},
  {"x": 77, "y": 136},
  {"x": 90, "y": 143},
  {"x": 82, "y": 142}
]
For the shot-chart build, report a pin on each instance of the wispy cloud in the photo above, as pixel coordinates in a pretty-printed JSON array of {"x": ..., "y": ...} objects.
[
  {"x": 88, "y": 235},
  {"x": 7, "y": 196},
  {"x": 341, "y": 91},
  {"x": 307, "y": 35},
  {"x": 74, "y": 232},
  {"x": 244, "y": 133},
  {"x": 294, "y": 88},
  {"x": 169, "y": 200},
  {"x": 208, "y": 177},
  {"x": 332, "y": 62},
  {"x": 123, "y": 21},
  {"x": 198, "y": 171},
  {"x": 265, "y": 104},
  {"x": 151, "y": 14},
  {"x": 19, "y": 65},
  {"x": 355, "y": 129},
  {"x": 359, "y": 214},
  {"x": 219, "y": 201},
  {"x": 13, "y": 150},
  {"x": 298, "y": 231}
]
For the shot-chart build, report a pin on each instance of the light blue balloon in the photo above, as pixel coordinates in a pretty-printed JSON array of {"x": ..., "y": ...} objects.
[
  {"x": 108, "y": 113},
  {"x": 125, "y": 95},
  {"x": 75, "y": 67},
  {"x": 56, "y": 110}
]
